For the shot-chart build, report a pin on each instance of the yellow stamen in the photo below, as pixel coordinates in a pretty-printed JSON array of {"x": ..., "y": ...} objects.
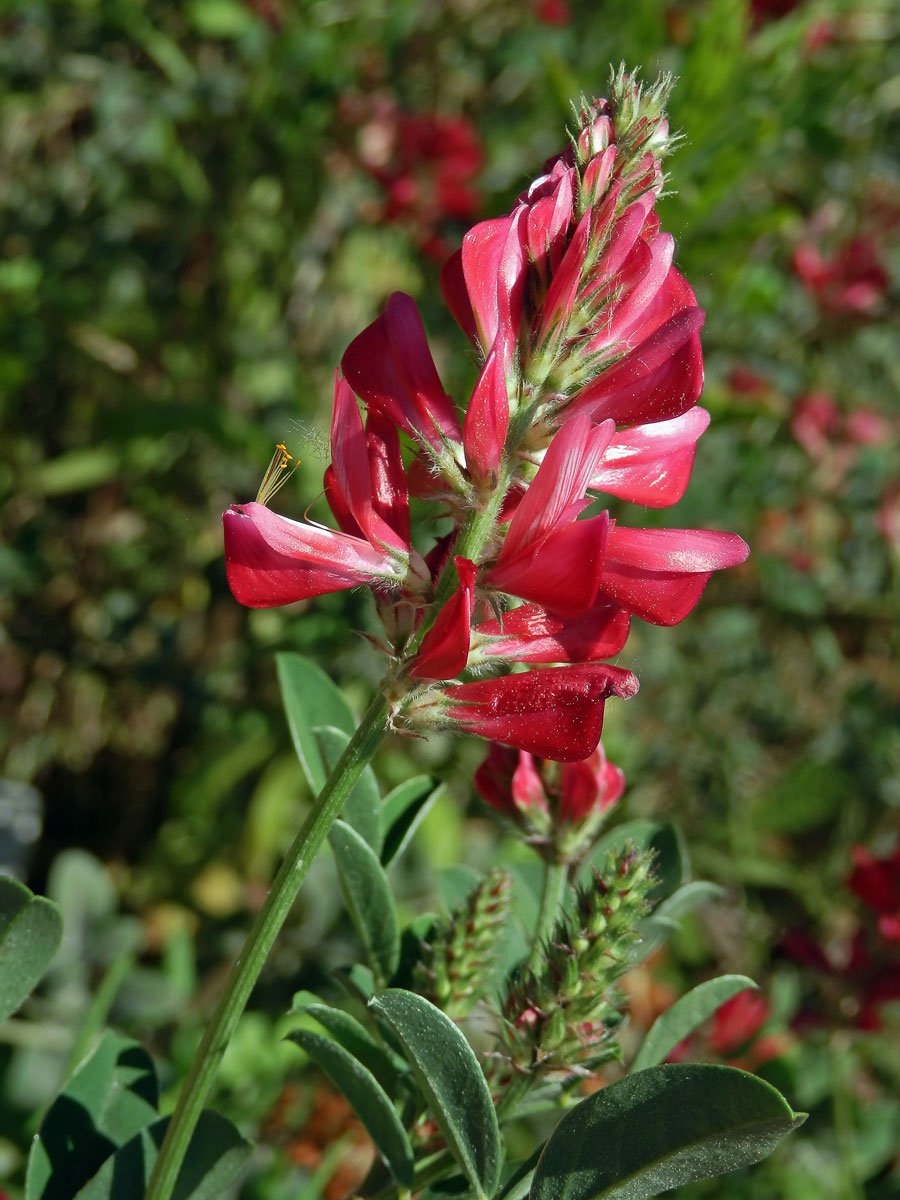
[{"x": 277, "y": 474}]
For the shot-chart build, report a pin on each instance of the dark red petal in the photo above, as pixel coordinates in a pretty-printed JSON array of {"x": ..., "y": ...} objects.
[
  {"x": 445, "y": 647},
  {"x": 659, "y": 379},
  {"x": 555, "y": 713},
  {"x": 493, "y": 779}
]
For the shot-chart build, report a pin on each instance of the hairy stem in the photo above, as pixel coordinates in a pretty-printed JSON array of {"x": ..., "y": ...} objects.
[{"x": 552, "y": 895}]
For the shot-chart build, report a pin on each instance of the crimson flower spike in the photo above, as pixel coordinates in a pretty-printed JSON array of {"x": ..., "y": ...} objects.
[{"x": 590, "y": 368}]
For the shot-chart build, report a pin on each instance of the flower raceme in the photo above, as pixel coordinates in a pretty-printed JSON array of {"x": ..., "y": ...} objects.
[{"x": 590, "y": 372}]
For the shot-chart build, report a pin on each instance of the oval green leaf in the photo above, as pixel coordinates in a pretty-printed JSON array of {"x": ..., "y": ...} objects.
[
  {"x": 310, "y": 699},
  {"x": 451, "y": 1082},
  {"x": 356, "y": 1039},
  {"x": 401, "y": 812},
  {"x": 110, "y": 1097},
  {"x": 30, "y": 932},
  {"x": 362, "y": 808},
  {"x": 661, "y": 1128},
  {"x": 369, "y": 901},
  {"x": 366, "y": 1097},
  {"x": 691, "y": 1010},
  {"x": 687, "y": 899}
]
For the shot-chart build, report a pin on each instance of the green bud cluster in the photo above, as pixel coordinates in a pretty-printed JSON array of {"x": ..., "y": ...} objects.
[
  {"x": 457, "y": 964},
  {"x": 560, "y": 1018}
]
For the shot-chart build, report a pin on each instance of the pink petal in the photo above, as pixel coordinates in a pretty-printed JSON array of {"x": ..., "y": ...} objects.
[
  {"x": 556, "y": 493},
  {"x": 445, "y": 647},
  {"x": 563, "y": 290},
  {"x": 487, "y": 417},
  {"x": 531, "y": 634},
  {"x": 674, "y": 295},
  {"x": 651, "y": 464},
  {"x": 548, "y": 222},
  {"x": 390, "y": 498},
  {"x": 337, "y": 502},
  {"x": 562, "y": 574},
  {"x": 597, "y": 173},
  {"x": 632, "y": 307},
  {"x": 660, "y": 378},
  {"x": 527, "y": 787},
  {"x": 660, "y": 574},
  {"x": 271, "y": 560},
  {"x": 456, "y": 296},
  {"x": 352, "y": 469},
  {"x": 555, "y": 713},
  {"x": 625, "y": 233},
  {"x": 493, "y": 262}
]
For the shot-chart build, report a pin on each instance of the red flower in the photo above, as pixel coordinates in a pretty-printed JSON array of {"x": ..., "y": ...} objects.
[
  {"x": 553, "y": 12},
  {"x": 271, "y": 560},
  {"x": 737, "y": 1021},
  {"x": 815, "y": 422},
  {"x": 556, "y": 713},
  {"x": 547, "y": 556},
  {"x": 445, "y": 647},
  {"x": 558, "y": 806},
  {"x": 588, "y": 339},
  {"x": 853, "y": 282},
  {"x": 660, "y": 574},
  {"x": 651, "y": 464},
  {"x": 425, "y": 164},
  {"x": 876, "y": 881},
  {"x": 532, "y": 634}
]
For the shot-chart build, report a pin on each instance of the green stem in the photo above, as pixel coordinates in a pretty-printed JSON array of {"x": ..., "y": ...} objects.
[
  {"x": 260, "y": 940},
  {"x": 552, "y": 895}
]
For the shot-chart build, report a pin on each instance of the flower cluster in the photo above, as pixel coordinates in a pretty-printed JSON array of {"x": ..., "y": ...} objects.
[
  {"x": 860, "y": 975},
  {"x": 590, "y": 371},
  {"x": 851, "y": 283},
  {"x": 558, "y": 806},
  {"x": 424, "y": 163},
  {"x": 458, "y": 957}
]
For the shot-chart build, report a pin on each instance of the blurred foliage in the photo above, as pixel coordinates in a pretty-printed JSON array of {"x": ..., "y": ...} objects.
[{"x": 200, "y": 205}]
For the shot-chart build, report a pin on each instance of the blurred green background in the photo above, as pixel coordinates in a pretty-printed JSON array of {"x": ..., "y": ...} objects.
[{"x": 200, "y": 205}]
